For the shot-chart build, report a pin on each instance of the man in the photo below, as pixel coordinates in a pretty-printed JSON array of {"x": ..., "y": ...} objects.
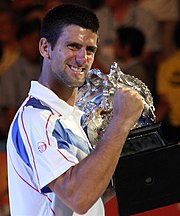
[
  {"x": 168, "y": 90},
  {"x": 52, "y": 168},
  {"x": 128, "y": 50}
]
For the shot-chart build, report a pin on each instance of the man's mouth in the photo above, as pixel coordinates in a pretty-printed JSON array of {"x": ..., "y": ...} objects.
[{"x": 76, "y": 69}]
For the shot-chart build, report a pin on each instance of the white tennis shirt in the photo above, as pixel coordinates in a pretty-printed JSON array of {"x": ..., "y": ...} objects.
[{"x": 44, "y": 141}]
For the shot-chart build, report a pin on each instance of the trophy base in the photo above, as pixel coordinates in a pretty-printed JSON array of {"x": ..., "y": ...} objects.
[
  {"x": 143, "y": 138},
  {"x": 147, "y": 175}
]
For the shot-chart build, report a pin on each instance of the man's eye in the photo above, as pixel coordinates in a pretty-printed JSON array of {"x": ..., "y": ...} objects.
[
  {"x": 73, "y": 47},
  {"x": 91, "y": 51}
]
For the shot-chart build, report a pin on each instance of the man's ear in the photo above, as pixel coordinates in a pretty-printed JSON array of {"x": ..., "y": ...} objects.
[{"x": 44, "y": 48}]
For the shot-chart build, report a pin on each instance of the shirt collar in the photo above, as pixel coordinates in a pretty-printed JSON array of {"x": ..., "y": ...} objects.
[{"x": 48, "y": 97}]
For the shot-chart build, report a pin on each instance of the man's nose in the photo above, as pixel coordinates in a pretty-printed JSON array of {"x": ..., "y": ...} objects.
[{"x": 81, "y": 56}]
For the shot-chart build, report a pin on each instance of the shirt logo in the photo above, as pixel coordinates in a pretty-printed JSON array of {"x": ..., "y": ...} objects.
[{"x": 42, "y": 147}]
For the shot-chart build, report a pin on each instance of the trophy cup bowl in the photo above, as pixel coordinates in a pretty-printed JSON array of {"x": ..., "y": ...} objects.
[{"x": 96, "y": 96}]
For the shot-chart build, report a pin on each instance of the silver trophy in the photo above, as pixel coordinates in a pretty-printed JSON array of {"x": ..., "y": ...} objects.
[{"x": 96, "y": 96}]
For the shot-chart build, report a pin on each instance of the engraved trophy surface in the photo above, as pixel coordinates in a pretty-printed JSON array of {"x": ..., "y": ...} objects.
[{"x": 96, "y": 96}]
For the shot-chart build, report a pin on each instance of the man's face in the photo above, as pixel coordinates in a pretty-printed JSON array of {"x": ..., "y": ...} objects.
[{"x": 73, "y": 55}]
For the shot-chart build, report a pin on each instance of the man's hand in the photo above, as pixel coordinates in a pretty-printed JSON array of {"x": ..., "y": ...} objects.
[{"x": 127, "y": 105}]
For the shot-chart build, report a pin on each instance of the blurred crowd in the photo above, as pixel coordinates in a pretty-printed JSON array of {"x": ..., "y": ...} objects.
[{"x": 142, "y": 36}]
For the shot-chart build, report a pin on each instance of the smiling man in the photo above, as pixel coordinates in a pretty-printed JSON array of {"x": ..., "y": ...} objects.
[
  {"x": 52, "y": 168},
  {"x": 72, "y": 56}
]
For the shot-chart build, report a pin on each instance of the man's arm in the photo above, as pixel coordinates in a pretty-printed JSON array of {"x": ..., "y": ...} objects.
[{"x": 81, "y": 186}]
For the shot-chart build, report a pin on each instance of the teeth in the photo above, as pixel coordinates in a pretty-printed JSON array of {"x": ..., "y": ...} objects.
[{"x": 76, "y": 69}]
